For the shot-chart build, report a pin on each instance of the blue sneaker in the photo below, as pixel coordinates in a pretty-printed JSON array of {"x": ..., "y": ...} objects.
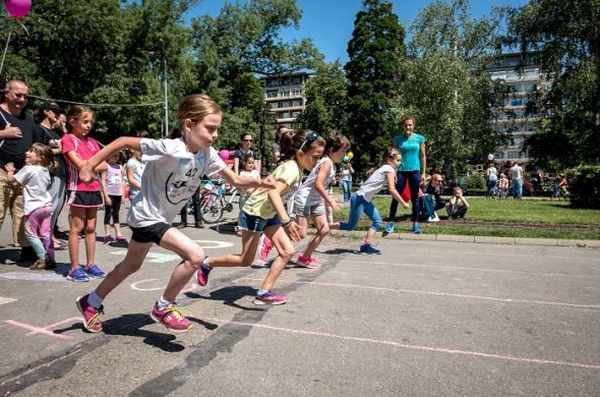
[
  {"x": 416, "y": 229},
  {"x": 389, "y": 228},
  {"x": 78, "y": 275},
  {"x": 369, "y": 249},
  {"x": 94, "y": 271}
]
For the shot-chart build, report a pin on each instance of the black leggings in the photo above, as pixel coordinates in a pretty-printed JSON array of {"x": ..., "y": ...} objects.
[{"x": 113, "y": 210}]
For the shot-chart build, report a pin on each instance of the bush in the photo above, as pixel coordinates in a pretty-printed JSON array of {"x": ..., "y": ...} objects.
[
  {"x": 475, "y": 181},
  {"x": 584, "y": 186}
]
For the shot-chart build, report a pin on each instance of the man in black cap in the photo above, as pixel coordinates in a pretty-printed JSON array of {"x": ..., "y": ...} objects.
[{"x": 17, "y": 133}]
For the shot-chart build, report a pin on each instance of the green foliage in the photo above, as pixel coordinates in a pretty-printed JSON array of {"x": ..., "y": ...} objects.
[
  {"x": 566, "y": 41},
  {"x": 373, "y": 72},
  {"x": 475, "y": 181},
  {"x": 584, "y": 186}
]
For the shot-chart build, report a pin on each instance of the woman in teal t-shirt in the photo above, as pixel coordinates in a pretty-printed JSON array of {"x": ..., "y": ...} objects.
[{"x": 411, "y": 171}]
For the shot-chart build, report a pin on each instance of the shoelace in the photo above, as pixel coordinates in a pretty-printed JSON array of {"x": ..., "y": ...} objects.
[{"x": 178, "y": 312}]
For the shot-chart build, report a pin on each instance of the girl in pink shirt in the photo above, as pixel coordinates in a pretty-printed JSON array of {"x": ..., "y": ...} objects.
[{"x": 84, "y": 199}]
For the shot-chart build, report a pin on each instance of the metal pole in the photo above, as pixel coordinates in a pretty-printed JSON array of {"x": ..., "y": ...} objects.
[
  {"x": 166, "y": 97},
  {"x": 4, "y": 54}
]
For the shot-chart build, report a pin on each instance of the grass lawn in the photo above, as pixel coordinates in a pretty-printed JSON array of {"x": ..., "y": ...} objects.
[{"x": 503, "y": 218}]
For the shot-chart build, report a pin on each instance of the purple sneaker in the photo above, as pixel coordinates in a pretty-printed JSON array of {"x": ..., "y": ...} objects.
[
  {"x": 91, "y": 315},
  {"x": 78, "y": 275},
  {"x": 269, "y": 298},
  {"x": 94, "y": 271},
  {"x": 202, "y": 273}
]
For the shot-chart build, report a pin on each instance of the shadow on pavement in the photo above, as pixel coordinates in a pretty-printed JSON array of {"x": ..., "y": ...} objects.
[{"x": 229, "y": 296}]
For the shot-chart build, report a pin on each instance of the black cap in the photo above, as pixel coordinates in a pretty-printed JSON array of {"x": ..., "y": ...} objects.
[{"x": 51, "y": 106}]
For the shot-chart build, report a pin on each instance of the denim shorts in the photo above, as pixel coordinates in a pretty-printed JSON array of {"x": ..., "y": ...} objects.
[{"x": 256, "y": 224}]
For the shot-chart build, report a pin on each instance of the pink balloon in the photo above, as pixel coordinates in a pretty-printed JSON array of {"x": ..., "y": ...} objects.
[
  {"x": 17, "y": 8},
  {"x": 224, "y": 154}
]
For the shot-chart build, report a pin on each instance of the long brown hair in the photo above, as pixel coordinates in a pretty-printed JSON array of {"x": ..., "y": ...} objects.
[{"x": 294, "y": 140}]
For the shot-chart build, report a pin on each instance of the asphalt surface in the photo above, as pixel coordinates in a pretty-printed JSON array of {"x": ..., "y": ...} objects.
[{"x": 424, "y": 318}]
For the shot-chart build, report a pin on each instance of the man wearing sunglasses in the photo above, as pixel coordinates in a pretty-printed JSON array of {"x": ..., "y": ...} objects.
[{"x": 17, "y": 133}]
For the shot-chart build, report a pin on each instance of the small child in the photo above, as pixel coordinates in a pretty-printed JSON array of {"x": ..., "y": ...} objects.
[
  {"x": 458, "y": 205},
  {"x": 312, "y": 198},
  {"x": 135, "y": 169},
  {"x": 251, "y": 172},
  {"x": 112, "y": 188},
  {"x": 265, "y": 212},
  {"x": 361, "y": 200},
  {"x": 85, "y": 199},
  {"x": 35, "y": 179},
  {"x": 502, "y": 186}
]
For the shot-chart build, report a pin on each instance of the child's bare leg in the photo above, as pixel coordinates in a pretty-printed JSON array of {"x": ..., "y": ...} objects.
[
  {"x": 322, "y": 226},
  {"x": 250, "y": 242},
  {"x": 285, "y": 249},
  {"x": 90, "y": 235},
  {"x": 75, "y": 226}
]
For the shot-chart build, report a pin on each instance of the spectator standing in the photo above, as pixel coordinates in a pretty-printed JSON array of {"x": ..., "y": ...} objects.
[
  {"x": 240, "y": 154},
  {"x": 346, "y": 180},
  {"x": 491, "y": 174},
  {"x": 411, "y": 171},
  {"x": 112, "y": 189},
  {"x": 502, "y": 186},
  {"x": 50, "y": 122},
  {"x": 516, "y": 180},
  {"x": 17, "y": 133},
  {"x": 276, "y": 146}
]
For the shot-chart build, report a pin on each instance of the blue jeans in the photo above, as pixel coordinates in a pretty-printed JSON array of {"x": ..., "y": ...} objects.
[
  {"x": 358, "y": 205},
  {"x": 347, "y": 187},
  {"x": 517, "y": 188},
  {"x": 413, "y": 178}
]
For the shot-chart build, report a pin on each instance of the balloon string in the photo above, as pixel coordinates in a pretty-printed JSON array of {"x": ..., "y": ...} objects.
[{"x": 4, "y": 54}]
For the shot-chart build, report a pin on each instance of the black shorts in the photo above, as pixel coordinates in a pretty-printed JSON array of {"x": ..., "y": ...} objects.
[
  {"x": 149, "y": 234},
  {"x": 85, "y": 199}
]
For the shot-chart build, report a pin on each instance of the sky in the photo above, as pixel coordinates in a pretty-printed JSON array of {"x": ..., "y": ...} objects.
[{"x": 330, "y": 22}]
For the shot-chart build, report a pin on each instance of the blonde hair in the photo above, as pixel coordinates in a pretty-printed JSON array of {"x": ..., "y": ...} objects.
[{"x": 196, "y": 107}]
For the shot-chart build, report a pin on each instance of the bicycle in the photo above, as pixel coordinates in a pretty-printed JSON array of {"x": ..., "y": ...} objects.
[{"x": 212, "y": 201}]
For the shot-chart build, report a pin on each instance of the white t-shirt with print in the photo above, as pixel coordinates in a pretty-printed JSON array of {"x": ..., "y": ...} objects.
[
  {"x": 375, "y": 182},
  {"x": 35, "y": 180},
  {"x": 171, "y": 176},
  {"x": 307, "y": 194}
]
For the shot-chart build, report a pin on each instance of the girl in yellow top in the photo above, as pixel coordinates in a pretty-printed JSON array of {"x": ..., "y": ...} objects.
[{"x": 265, "y": 211}]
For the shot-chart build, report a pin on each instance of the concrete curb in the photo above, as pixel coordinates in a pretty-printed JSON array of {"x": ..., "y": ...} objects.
[{"x": 477, "y": 239}]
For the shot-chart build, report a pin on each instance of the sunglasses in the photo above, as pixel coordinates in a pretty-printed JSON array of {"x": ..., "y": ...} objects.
[
  {"x": 247, "y": 140},
  {"x": 310, "y": 138},
  {"x": 24, "y": 96}
]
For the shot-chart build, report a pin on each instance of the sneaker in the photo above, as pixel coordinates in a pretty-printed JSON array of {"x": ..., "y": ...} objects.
[
  {"x": 121, "y": 239},
  {"x": 40, "y": 264},
  {"x": 270, "y": 298},
  {"x": 78, "y": 275},
  {"x": 94, "y": 271},
  {"x": 265, "y": 248},
  {"x": 389, "y": 228},
  {"x": 202, "y": 273},
  {"x": 171, "y": 317},
  {"x": 108, "y": 239},
  {"x": 434, "y": 218},
  {"x": 91, "y": 315},
  {"x": 308, "y": 262},
  {"x": 367, "y": 248},
  {"x": 416, "y": 229}
]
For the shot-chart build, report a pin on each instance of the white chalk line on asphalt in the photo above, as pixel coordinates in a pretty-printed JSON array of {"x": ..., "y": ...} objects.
[
  {"x": 476, "y": 269},
  {"x": 527, "y": 360},
  {"x": 522, "y": 255},
  {"x": 422, "y": 292}
]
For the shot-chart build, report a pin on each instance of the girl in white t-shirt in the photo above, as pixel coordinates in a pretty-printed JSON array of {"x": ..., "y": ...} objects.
[
  {"x": 173, "y": 173},
  {"x": 35, "y": 179},
  {"x": 312, "y": 198},
  {"x": 112, "y": 188},
  {"x": 361, "y": 200}
]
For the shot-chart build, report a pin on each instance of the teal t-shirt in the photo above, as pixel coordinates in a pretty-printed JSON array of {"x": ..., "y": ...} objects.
[{"x": 410, "y": 148}]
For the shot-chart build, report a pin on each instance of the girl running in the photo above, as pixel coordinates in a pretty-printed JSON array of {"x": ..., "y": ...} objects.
[
  {"x": 361, "y": 200},
  {"x": 265, "y": 212},
  {"x": 35, "y": 179},
  {"x": 173, "y": 173},
  {"x": 84, "y": 199},
  {"x": 311, "y": 199}
]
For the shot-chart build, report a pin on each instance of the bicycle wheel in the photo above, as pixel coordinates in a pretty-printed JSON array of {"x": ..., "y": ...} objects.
[{"x": 211, "y": 207}]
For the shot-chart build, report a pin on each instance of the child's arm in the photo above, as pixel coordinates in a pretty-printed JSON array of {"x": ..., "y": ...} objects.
[
  {"x": 87, "y": 168},
  {"x": 244, "y": 182},
  {"x": 320, "y": 186},
  {"x": 291, "y": 227},
  {"x": 10, "y": 172},
  {"x": 464, "y": 200},
  {"x": 391, "y": 183}
]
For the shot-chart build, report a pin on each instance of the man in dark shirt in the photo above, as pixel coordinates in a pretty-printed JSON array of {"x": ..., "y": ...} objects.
[{"x": 17, "y": 133}]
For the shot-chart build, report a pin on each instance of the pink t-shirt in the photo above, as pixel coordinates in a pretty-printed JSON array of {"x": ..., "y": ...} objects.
[{"x": 86, "y": 148}]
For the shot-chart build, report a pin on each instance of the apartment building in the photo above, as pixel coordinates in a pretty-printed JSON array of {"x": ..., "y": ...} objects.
[
  {"x": 284, "y": 96},
  {"x": 512, "y": 118}
]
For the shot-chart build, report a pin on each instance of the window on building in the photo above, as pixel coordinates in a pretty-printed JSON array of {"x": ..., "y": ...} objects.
[{"x": 271, "y": 94}]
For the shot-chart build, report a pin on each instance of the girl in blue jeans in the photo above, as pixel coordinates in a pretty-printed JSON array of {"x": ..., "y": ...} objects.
[{"x": 361, "y": 200}]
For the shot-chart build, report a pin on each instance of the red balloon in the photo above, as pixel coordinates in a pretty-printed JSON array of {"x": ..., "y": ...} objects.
[
  {"x": 405, "y": 193},
  {"x": 224, "y": 154},
  {"x": 17, "y": 8}
]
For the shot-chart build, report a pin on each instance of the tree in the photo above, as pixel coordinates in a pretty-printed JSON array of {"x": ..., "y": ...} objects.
[
  {"x": 446, "y": 86},
  {"x": 326, "y": 100},
  {"x": 374, "y": 74},
  {"x": 566, "y": 42}
]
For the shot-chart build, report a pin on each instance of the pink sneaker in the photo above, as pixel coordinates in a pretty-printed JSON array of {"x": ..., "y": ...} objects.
[
  {"x": 265, "y": 248},
  {"x": 270, "y": 298},
  {"x": 171, "y": 317},
  {"x": 108, "y": 239},
  {"x": 308, "y": 262},
  {"x": 91, "y": 315},
  {"x": 121, "y": 239},
  {"x": 202, "y": 274}
]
